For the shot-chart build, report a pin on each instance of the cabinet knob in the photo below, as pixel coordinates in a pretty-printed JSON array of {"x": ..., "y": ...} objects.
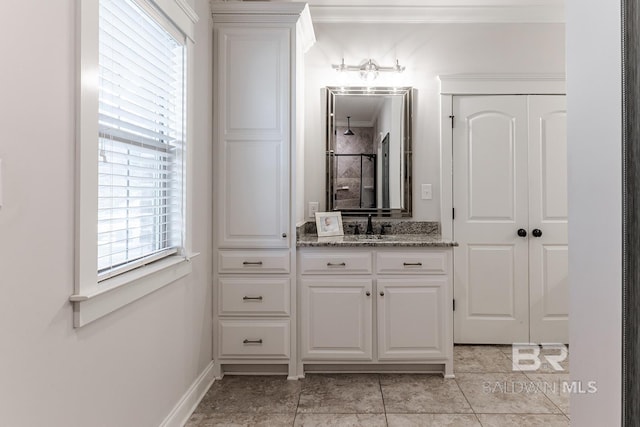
[
  {"x": 368, "y": 293},
  {"x": 536, "y": 232},
  {"x": 381, "y": 293},
  {"x": 284, "y": 235},
  {"x": 522, "y": 232}
]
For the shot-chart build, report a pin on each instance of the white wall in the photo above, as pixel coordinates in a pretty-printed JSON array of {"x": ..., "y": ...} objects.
[
  {"x": 131, "y": 367},
  {"x": 427, "y": 50},
  {"x": 595, "y": 207}
]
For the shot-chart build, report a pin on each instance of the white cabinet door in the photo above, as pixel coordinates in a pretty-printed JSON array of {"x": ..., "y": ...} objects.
[
  {"x": 411, "y": 318},
  {"x": 336, "y": 319},
  {"x": 252, "y": 87},
  {"x": 490, "y": 185},
  {"x": 548, "y": 251}
]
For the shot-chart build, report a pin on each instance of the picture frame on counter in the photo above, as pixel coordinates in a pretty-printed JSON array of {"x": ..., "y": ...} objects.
[{"x": 329, "y": 224}]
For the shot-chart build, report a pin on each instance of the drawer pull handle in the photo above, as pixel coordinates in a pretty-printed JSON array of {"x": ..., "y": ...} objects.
[
  {"x": 336, "y": 264},
  {"x": 247, "y": 341},
  {"x": 252, "y": 263},
  {"x": 252, "y": 298},
  {"x": 412, "y": 264}
]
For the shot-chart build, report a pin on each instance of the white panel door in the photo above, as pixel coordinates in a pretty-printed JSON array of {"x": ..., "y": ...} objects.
[
  {"x": 336, "y": 319},
  {"x": 548, "y": 250},
  {"x": 490, "y": 201},
  {"x": 254, "y": 138},
  {"x": 411, "y": 323}
]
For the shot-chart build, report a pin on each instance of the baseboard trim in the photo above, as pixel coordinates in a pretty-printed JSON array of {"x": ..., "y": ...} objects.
[{"x": 180, "y": 414}]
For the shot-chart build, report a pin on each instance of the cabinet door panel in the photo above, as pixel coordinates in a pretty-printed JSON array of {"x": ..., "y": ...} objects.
[
  {"x": 411, "y": 318},
  {"x": 255, "y": 196},
  {"x": 252, "y": 124},
  {"x": 336, "y": 319},
  {"x": 254, "y": 81}
]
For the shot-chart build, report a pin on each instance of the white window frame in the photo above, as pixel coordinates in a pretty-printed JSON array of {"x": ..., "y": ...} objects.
[{"x": 90, "y": 300}]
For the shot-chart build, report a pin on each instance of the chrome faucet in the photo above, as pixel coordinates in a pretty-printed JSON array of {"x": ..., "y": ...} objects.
[{"x": 369, "y": 226}]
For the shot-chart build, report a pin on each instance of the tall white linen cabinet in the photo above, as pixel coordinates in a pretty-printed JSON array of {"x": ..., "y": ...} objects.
[{"x": 258, "y": 111}]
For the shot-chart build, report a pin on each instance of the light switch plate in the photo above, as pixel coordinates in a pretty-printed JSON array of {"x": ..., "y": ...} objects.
[
  {"x": 313, "y": 208},
  {"x": 427, "y": 193}
]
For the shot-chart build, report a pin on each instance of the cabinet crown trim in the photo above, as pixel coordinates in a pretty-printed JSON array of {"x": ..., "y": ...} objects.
[{"x": 237, "y": 11}]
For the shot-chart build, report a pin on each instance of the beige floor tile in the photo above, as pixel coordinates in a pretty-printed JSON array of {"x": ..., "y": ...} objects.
[
  {"x": 554, "y": 386},
  {"x": 241, "y": 420},
  {"x": 480, "y": 358},
  {"x": 503, "y": 393},
  {"x": 341, "y": 394},
  {"x": 432, "y": 420},
  {"x": 510, "y": 420},
  {"x": 406, "y": 394},
  {"x": 340, "y": 420},
  {"x": 252, "y": 395}
]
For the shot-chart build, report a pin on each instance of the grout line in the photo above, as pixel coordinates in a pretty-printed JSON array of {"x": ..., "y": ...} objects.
[
  {"x": 295, "y": 415},
  {"x": 384, "y": 406},
  {"x": 465, "y": 398}
]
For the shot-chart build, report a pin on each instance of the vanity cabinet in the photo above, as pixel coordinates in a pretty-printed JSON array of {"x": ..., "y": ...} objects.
[
  {"x": 385, "y": 306},
  {"x": 411, "y": 318},
  {"x": 336, "y": 318},
  {"x": 258, "y": 53}
]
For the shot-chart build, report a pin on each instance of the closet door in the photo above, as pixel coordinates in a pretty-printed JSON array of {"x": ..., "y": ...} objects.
[
  {"x": 253, "y": 132},
  {"x": 548, "y": 250},
  {"x": 490, "y": 198}
]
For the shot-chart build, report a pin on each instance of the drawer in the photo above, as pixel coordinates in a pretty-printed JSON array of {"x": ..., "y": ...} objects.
[
  {"x": 253, "y": 338},
  {"x": 253, "y": 262},
  {"x": 335, "y": 263},
  {"x": 253, "y": 297},
  {"x": 411, "y": 262}
]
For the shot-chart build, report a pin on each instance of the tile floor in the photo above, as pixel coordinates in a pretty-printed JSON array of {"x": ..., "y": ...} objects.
[{"x": 486, "y": 392}]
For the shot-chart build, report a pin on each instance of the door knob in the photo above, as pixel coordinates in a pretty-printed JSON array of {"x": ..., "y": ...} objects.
[
  {"x": 536, "y": 232},
  {"x": 522, "y": 232}
]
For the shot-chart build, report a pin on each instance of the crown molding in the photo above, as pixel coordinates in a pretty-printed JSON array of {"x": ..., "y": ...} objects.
[
  {"x": 257, "y": 8},
  {"x": 437, "y": 11}
]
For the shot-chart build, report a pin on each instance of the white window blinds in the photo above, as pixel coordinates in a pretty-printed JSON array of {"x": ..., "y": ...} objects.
[{"x": 141, "y": 139}]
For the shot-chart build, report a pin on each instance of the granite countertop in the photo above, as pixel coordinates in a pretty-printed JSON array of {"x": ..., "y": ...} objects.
[
  {"x": 398, "y": 233},
  {"x": 386, "y": 240}
]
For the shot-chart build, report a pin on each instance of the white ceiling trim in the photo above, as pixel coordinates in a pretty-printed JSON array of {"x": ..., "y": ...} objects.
[{"x": 438, "y": 11}]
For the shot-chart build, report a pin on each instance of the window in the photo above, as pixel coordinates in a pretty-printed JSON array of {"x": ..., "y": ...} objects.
[
  {"x": 141, "y": 139},
  {"x": 132, "y": 151}
]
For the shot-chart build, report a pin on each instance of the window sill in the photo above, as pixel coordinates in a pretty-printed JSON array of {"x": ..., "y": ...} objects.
[{"x": 121, "y": 290}]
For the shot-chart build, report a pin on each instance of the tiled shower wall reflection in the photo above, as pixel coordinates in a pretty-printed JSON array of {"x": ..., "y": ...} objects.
[{"x": 349, "y": 175}]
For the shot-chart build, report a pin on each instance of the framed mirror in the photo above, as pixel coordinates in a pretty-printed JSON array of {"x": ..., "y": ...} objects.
[{"x": 368, "y": 150}]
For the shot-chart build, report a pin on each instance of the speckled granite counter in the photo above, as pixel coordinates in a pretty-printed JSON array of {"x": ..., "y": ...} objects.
[
  {"x": 400, "y": 233},
  {"x": 387, "y": 240}
]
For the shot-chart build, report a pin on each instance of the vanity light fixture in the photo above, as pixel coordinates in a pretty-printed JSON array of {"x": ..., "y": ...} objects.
[
  {"x": 349, "y": 132},
  {"x": 368, "y": 69}
]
